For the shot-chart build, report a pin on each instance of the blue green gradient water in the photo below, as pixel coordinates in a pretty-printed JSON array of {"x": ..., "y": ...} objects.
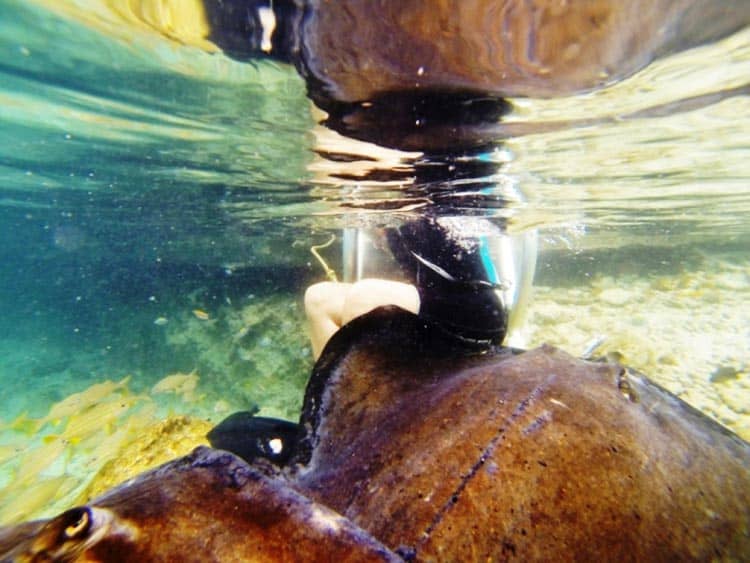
[
  {"x": 138, "y": 182},
  {"x": 142, "y": 180}
]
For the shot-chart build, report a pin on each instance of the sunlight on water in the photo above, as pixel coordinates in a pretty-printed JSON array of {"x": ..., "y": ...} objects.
[
  {"x": 680, "y": 78},
  {"x": 159, "y": 201},
  {"x": 685, "y": 172}
]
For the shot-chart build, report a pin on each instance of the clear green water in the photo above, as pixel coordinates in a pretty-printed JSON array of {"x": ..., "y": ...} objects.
[{"x": 142, "y": 180}]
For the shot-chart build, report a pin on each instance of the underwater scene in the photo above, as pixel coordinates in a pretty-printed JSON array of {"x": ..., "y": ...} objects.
[{"x": 166, "y": 200}]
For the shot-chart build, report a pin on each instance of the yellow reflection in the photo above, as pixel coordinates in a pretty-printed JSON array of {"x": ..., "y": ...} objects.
[{"x": 182, "y": 21}]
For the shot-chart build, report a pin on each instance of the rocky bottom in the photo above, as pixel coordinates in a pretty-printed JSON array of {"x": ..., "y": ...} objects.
[{"x": 689, "y": 332}]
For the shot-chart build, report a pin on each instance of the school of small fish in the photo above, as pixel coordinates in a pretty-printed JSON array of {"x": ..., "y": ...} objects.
[
  {"x": 180, "y": 384},
  {"x": 51, "y": 461}
]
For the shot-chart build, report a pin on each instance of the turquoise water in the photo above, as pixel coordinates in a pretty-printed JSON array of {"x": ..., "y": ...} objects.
[
  {"x": 158, "y": 204},
  {"x": 138, "y": 182}
]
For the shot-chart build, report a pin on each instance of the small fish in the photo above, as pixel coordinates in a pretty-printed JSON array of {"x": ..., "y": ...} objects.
[
  {"x": 183, "y": 384},
  {"x": 77, "y": 402},
  {"x": 25, "y": 424},
  {"x": 106, "y": 447},
  {"x": 31, "y": 499},
  {"x": 201, "y": 314},
  {"x": 96, "y": 418},
  {"x": 35, "y": 460},
  {"x": 101, "y": 449},
  {"x": 251, "y": 437},
  {"x": 161, "y": 321}
]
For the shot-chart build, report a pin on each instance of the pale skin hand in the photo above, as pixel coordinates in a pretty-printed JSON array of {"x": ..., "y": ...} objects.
[{"x": 330, "y": 305}]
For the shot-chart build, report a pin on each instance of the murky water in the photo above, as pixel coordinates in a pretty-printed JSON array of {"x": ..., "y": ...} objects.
[{"x": 158, "y": 204}]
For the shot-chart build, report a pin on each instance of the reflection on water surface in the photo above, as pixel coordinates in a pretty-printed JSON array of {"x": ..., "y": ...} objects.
[{"x": 148, "y": 176}]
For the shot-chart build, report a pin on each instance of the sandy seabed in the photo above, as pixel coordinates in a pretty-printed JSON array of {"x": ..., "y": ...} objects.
[{"x": 688, "y": 332}]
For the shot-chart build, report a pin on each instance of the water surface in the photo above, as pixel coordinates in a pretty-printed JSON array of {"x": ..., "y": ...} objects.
[{"x": 158, "y": 204}]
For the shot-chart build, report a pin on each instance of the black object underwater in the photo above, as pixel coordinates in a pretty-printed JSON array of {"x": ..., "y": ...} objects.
[{"x": 252, "y": 437}]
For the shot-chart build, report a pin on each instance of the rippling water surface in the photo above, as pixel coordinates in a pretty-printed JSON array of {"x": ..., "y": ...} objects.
[{"x": 158, "y": 204}]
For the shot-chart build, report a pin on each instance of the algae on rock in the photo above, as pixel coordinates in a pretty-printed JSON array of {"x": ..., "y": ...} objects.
[{"x": 256, "y": 354}]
